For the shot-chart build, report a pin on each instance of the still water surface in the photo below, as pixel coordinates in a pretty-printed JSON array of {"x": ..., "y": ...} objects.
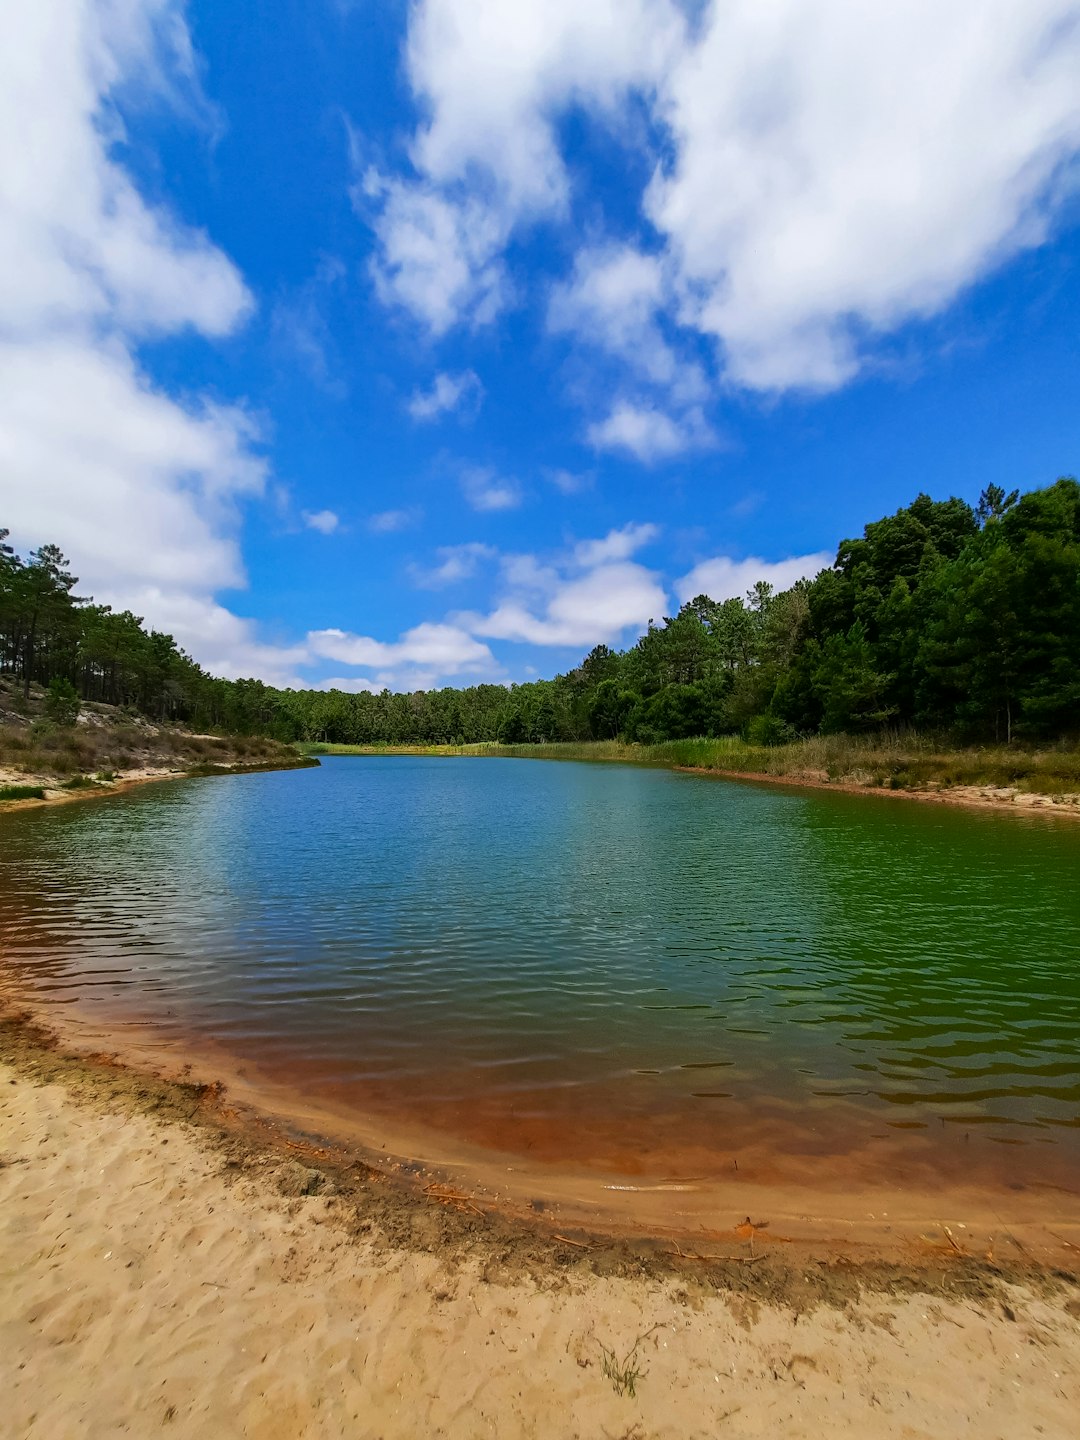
[{"x": 624, "y": 967}]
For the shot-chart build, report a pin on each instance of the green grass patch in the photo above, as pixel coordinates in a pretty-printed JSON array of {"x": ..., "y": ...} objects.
[
  {"x": 78, "y": 782},
  {"x": 22, "y": 792}
]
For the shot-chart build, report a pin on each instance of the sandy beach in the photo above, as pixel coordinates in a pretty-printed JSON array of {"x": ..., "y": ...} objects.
[{"x": 164, "y": 1271}]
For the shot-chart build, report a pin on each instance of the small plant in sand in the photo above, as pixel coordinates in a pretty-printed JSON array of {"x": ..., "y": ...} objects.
[{"x": 623, "y": 1373}]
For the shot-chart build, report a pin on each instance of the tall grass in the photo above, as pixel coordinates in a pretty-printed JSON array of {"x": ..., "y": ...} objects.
[{"x": 895, "y": 760}]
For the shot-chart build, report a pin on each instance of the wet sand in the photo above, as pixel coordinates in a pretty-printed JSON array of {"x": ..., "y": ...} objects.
[
  {"x": 168, "y": 1266},
  {"x": 900, "y": 1197}
]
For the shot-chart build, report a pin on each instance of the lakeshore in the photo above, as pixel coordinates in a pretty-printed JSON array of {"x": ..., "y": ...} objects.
[
  {"x": 165, "y": 1204},
  {"x": 239, "y": 1286}
]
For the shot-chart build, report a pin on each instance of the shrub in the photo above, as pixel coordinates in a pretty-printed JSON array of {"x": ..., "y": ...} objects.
[
  {"x": 61, "y": 702},
  {"x": 22, "y": 792},
  {"x": 768, "y": 729}
]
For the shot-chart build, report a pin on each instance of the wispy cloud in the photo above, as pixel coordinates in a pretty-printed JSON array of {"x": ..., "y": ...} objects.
[
  {"x": 455, "y": 563},
  {"x": 390, "y": 522},
  {"x": 325, "y": 521},
  {"x": 448, "y": 393},
  {"x": 488, "y": 491}
]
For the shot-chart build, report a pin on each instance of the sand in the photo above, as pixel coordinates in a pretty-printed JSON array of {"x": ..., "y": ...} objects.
[{"x": 162, "y": 1277}]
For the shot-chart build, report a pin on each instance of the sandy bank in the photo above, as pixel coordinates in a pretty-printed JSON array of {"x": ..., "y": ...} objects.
[
  {"x": 163, "y": 1271},
  {"x": 56, "y": 793}
]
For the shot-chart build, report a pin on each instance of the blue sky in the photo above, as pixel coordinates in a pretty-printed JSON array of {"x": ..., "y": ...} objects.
[{"x": 403, "y": 345}]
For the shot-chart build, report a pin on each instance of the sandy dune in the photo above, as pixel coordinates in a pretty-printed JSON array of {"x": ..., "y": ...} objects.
[{"x": 148, "y": 1288}]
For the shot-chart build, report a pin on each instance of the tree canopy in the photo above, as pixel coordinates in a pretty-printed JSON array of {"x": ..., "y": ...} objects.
[{"x": 942, "y": 615}]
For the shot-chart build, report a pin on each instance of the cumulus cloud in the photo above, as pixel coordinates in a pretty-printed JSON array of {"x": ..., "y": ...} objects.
[
  {"x": 723, "y": 578},
  {"x": 143, "y": 488},
  {"x": 648, "y": 433},
  {"x": 822, "y": 173},
  {"x": 448, "y": 393},
  {"x": 595, "y": 594},
  {"x": 445, "y": 649},
  {"x": 325, "y": 521}
]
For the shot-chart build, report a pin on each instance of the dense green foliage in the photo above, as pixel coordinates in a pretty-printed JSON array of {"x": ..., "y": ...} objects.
[{"x": 942, "y": 616}]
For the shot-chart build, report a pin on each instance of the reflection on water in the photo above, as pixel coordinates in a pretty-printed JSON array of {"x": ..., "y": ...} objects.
[{"x": 618, "y": 965}]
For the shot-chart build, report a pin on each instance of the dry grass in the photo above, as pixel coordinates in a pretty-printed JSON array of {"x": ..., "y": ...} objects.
[
  {"x": 108, "y": 741},
  {"x": 898, "y": 760}
]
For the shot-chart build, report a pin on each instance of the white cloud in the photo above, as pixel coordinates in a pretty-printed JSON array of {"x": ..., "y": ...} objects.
[
  {"x": 449, "y": 392},
  {"x": 325, "y": 521},
  {"x": 648, "y": 433},
  {"x": 615, "y": 545},
  {"x": 826, "y": 172},
  {"x": 390, "y": 522},
  {"x": 599, "y": 606},
  {"x": 143, "y": 490},
  {"x": 487, "y": 491},
  {"x": 490, "y": 77},
  {"x": 437, "y": 258},
  {"x": 77, "y": 242},
  {"x": 456, "y": 562},
  {"x": 723, "y": 578},
  {"x": 594, "y": 594},
  {"x": 613, "y": 302},
  {"x": 446, "y": 649}
]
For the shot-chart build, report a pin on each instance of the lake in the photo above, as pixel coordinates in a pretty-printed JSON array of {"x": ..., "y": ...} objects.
[{"x": 624, "y": 969}]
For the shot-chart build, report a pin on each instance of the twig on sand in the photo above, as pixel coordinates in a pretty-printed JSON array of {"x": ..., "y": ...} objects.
[
  {"x": 446, "y": 1196},
  {"x": 577, "y": 1244},
  {"x": 951, "y": 1240}
]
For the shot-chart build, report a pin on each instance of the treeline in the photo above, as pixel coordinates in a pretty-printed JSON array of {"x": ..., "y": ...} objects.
[
  {"x": 48, "y": 633},
  {"x": 942, "y": 615}
]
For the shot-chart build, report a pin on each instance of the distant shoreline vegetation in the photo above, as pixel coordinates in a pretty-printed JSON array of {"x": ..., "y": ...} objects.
[
  {"x": 901, "y": 760},
  {"x": 960, "y": 622}
]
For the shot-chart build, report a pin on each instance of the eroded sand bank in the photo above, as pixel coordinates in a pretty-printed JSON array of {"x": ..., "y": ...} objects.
[{"x": 161, "y": 1274}]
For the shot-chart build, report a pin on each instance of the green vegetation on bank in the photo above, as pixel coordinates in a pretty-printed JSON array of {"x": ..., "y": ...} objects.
[
  {"x": 951, "y": 620},
  {"x": 22, "y": 792},
  {"x": 893, "y": 760}
]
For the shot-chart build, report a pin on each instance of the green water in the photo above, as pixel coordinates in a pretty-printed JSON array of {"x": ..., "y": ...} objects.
[{"x": 583, "y": 961}]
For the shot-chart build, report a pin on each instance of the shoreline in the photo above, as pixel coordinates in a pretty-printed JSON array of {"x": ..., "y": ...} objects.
[
  {"x": 1002, "y": 799},
  {"x": 245, "y": 1285},
  {"x": 57, "y": 793},
  {"x": 844, "y": 1219}
]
